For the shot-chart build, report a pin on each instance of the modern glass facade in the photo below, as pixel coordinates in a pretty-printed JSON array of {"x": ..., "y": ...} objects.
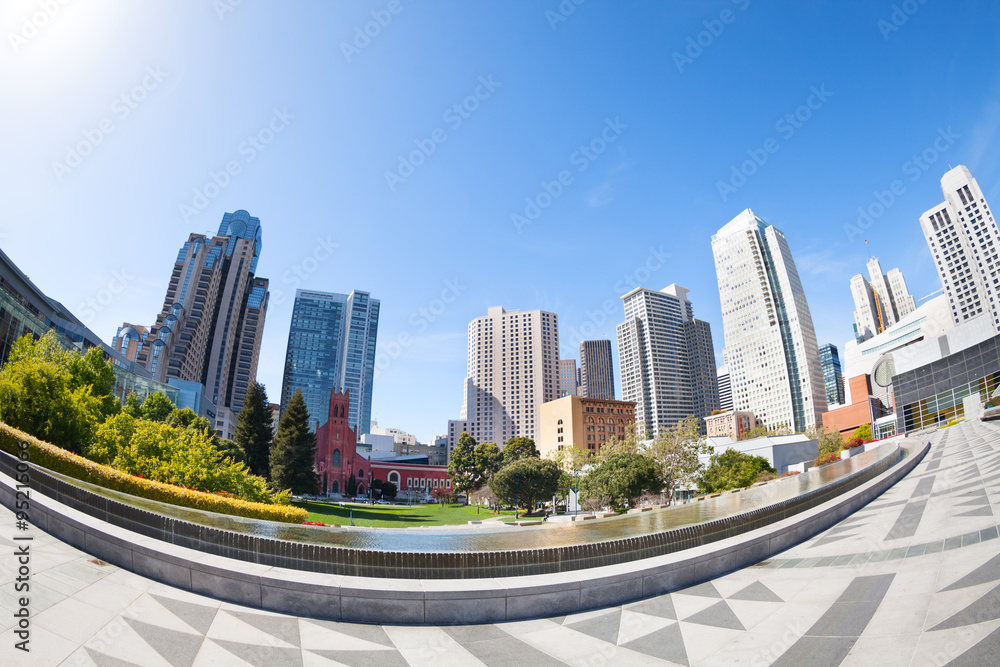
[
  {"x": 331, "y": 345},
  {"x": 833, "y": 377},
  {"x": 933, "y": 394}
]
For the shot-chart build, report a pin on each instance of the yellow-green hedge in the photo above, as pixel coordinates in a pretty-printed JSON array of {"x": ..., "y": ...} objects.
[{"x": 65, "y": 462}]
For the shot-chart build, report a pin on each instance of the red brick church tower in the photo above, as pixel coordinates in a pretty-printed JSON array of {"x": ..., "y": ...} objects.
[{"x": 336, "y": 449}]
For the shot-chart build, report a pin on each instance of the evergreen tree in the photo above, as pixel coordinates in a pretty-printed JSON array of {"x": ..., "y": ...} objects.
[
  {"x": 255, "y": 430},
  {"x": 294, "y": 453},
  {"x": 352, "y": 486},
  {"x": 519, "y": 448}
]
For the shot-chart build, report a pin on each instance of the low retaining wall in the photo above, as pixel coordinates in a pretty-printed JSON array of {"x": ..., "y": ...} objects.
[
  {"x": 327, "y": 559},
  {"x": 437, "y": 601}
]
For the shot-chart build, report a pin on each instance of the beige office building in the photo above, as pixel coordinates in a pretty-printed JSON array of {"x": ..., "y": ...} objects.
[
  {"x": 732, "y": 423},
  {"x": 585, "y": 422}
]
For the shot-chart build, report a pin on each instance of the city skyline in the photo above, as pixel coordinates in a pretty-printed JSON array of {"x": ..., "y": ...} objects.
[{"x": 615, "y": 164}]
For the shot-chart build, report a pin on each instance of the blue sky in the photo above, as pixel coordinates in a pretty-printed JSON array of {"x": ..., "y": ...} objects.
[{"x": 617, "y": 120}]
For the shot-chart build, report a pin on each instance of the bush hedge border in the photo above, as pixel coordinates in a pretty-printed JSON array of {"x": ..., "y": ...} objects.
[{"x": 54, "y": 458}]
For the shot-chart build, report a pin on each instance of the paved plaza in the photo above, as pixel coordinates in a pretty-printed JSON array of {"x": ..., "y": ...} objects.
[{"x": 911, "y": 579}]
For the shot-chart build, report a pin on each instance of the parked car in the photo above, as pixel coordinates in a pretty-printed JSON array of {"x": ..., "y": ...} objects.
[{"x": 361, "y": 499}]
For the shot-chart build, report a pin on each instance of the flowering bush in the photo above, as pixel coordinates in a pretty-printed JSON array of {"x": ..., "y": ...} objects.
[
  {"x": 827, "y": 457},
  {"x": 62, "y": 461},
  {"x": 852, "y": 443}
]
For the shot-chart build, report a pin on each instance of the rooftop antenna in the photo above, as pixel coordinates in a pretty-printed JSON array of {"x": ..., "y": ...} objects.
[{"x": 868, "y": 249}]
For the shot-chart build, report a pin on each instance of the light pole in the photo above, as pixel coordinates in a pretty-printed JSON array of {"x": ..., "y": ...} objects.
[{"x": 517, "y": 497}]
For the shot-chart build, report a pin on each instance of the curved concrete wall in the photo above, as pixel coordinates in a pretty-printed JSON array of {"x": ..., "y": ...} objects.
[{"x": 438, "y": 601}]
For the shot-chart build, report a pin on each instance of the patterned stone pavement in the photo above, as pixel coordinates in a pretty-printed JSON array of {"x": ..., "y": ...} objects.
[{"x": 911, "y": 579}]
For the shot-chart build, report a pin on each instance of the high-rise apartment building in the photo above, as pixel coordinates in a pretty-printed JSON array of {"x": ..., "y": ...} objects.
[
  {"x": 331, "y": 346},
  {"x": 725, "y": 388},
  {"x": 597, "y": 375},
  {"x": 513, "y": 367},
  {"x": 210, "y": 328},
  {"x": 833, "y": 376},
  {"x": 667, "y": 359},
  {"x": 771, "y": 345},
  {"x": 965, "y": 243},
  {"x": 880, "y": 302},
  {"x": 568, "y": 378}
]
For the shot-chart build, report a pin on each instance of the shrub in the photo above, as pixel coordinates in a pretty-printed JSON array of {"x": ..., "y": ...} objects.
[
  {"x": 827, "y": 457},
  {"x": 852, "y": 443},
  {"x": 59, "y": 460}
]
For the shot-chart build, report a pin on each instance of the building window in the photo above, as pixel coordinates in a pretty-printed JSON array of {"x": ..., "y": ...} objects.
[{"x": 335, "y": 458}]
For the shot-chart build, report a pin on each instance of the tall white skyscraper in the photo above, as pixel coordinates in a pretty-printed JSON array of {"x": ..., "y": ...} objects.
[
  {"x": 725, "y": 388},
  {"x": 965, "y": 243},
  {"x": 513, "y": 367},
  {"x": 666, "y": 357},
  {"x": 771, "y": 346},
  {"x": 881, "y": 302}
]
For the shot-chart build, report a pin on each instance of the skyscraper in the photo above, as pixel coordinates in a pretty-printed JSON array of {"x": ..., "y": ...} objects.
[
  {"x": 568, "y": 377},
  {"x": 513, "y": 367},
  {"x": 880, "y": 303},
  {"x": 965, "y": 244},
  {"x": 725, "y": 388},
  {"x": 212, "y": 321},
  {"x": 833, "y": 377},
  {"x": 771, "y": 345},
  {"x": 331, "y": 346},
  {"x": 596, "y": 370},
  {"x": 667, "y": 358}
]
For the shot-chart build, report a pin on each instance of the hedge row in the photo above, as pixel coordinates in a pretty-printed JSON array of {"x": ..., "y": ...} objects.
[{"x": 69, "y": 464}]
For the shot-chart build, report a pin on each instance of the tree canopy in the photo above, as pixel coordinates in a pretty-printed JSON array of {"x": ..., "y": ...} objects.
[
  {"x": 676, "y": 454},
  {"x": 518, "y": 448},
  {"x": 732, "y": 469},
  {"x": 294, "y": 454},
  {"x": 621, "y": 477},
  {"x": 255, "y": 430},
  {"x": 526, "y": 481}
]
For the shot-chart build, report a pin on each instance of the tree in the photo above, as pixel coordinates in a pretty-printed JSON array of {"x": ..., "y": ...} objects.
[
  {"x": 389, "y": 490},
  {"x": 255, "y": 430},
  {"x": 352, "y": 486},
  {"x": 732, "y": 469},
  {"x": 676, "y": 454},
  {"x": 186, "y": 418},
  {"x": 230, "y": 450},
  {"x": 518, "y": 448},
  {"x": 526, "y": 481},
  {"x": 463, "y": 469},
  {"x": 864, "y": 432},
  {"x": 294, "y": 454},
  {"x": 157, "y": 407},
  {"x": 131, "y": 407},
  {"x": 572, "y": 461},
  {"x": 488, "y": 459},
  {"x": 93, "y": 371},
  {"x": 39, "y": 395},
  {"x": 621, "y": 477},
  {"x": 828, "y": 440}
]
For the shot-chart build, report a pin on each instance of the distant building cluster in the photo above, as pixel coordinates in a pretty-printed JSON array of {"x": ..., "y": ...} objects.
[{"x": 907, "y": 367}]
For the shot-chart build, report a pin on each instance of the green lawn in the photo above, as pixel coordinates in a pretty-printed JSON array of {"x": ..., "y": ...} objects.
[{"x": 395, "y": 516}]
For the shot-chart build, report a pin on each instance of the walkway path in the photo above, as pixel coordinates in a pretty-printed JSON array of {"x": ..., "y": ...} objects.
[{"x": 911, "y": 579}]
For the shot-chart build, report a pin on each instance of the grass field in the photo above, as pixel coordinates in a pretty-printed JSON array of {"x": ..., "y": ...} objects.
[{"x": 395, "y": 516}]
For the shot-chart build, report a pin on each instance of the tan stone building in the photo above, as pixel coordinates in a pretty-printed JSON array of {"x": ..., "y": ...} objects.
[
  {"x": 585, "y": 422},
  {"x": 733, "y": 424}
]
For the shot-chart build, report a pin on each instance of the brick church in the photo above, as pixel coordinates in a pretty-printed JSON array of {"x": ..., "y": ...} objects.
[{"x": 337, "y": 459}]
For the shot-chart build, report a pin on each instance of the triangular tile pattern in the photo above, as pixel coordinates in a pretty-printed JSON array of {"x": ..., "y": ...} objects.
[
  {"x": 666, "y": 644},
  {"x": 284, "y": 628},
  {"x": 719, "y": 615},
  {"x": 635, "y": 625},
  {"x": 756, "y": 592},
  {"x": 198, "y": 616},
  {"x": 983, "y": 653},
  {"x": 178, "y": 648},
  {"x": 985, "y": 573},
  {"x": 661, "y": 606},
  {"x": 368, "y": 633},
  {"x": 982, "y": 511},
  {"x": 603, "y": 627},
  {"x": 355, "y": 659},
  {"x": 103, "y": 660},
  {"x": 262, "y": 656},
  {"x": 986, "y": 608},
  {"x": 705, "y": 590}
]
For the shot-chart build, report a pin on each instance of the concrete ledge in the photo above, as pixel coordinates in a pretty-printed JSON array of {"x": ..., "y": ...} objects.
[{"x": 440, "y": 601}]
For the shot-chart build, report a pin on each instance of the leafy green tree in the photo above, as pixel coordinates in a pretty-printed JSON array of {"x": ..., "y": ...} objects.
[
  {"x": 620, "y": 477},
  {"x": 92, "y": 370},
  {"x": 352, "y": 486},
  {"x": 732, "y": 469},
  {"x": 255, "y": 430},
  {"x": 39, "y": 395},
  {"x": 294, "y": 454},
  {"x": 488, "y": 459},
  {"x": 572, "y": 461},
  {"x": 828, "y": 440},
  {"x": 864, "y": 432},
  {"x": 231, "y": 450},
  {"x": 157, "y": 407},
  {"x": 676, "y": 454},
  {"x": 389, "y": 490},
  {"x": 131, "y": 406},
  {"x": 518, "y": 448},
  {"x": 526, "y": 481},
  {"x": 463, "y": 468},
  {"x": 186, "y": 418}
]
